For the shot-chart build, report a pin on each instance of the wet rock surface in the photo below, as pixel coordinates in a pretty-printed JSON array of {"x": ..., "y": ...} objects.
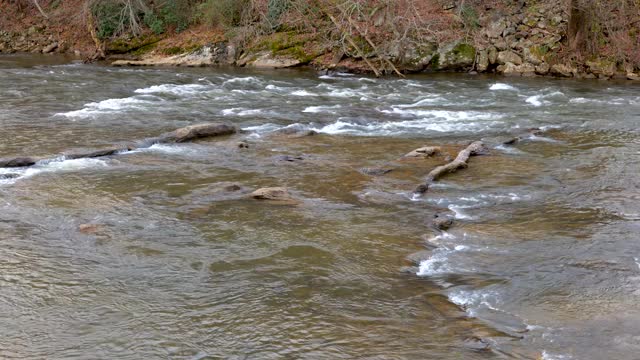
[{"x": 17, "y": 162}]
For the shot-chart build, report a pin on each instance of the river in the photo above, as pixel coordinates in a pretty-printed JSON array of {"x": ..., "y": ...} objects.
[{"x": 147, "y": 255}]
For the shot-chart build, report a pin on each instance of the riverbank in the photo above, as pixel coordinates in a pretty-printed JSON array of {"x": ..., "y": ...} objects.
[{"x": 518, "y": 39}]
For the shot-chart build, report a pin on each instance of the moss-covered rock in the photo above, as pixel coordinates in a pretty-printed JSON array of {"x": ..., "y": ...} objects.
[
  {"x": 602, "y": 68},
  {"x": 128, "y": 45},
  {"x": 417, "y": 58},
  {"x": 456, "y": 56}
]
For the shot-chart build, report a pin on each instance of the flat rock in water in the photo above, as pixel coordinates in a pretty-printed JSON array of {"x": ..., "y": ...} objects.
[
  {"x": 199, "y": 131},
  {"x": 17, "y": 162},
  {"x": 276, "y": 194},
  {"x": 288, "y": 158},
  {"x": 442, "y": 222},
  {"x": 375, "y": 171},
  {"x": 293, "y": 131},
  {"x": 425, "y": 151},
  {"x": 96, "y": 153}
]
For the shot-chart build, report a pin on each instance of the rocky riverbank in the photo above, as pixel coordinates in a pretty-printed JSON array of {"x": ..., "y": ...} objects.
[{"x": 520, "y": 39}]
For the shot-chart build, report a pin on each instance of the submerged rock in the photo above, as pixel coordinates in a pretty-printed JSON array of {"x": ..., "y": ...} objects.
[
  {"x": 97, "y": 153},
  {"x": 17, "y": 162},
  {"x": 276, "y": 194},
  {"x": 442, "y": 222},
  {"x": 375, "y": 171},
  {"x": 295, "y": 131},
  {"x": 288, "y": 158}
]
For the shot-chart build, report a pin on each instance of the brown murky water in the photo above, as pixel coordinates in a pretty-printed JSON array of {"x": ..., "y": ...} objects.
[{"x": 542, "y": 261}]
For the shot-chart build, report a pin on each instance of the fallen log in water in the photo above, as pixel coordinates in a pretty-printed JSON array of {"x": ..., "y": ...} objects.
[
  {"x": 460, "y": 162},
  {"x": 185, "y": 134}
]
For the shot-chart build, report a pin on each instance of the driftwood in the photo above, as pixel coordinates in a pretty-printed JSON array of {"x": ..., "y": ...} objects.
[
  {"x": 181, "y": 135},
  {"x": 460, "y": 162}
]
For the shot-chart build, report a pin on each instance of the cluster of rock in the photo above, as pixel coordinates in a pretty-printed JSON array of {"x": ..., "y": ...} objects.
[
  {"x": 523, "y": 41},
  {"x": 34, "y": 40}
]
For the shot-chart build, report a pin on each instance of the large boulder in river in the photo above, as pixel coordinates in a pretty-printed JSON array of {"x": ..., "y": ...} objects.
[
  {"x": 194, "y": 132},
  {"x": 17, "y": 162}
]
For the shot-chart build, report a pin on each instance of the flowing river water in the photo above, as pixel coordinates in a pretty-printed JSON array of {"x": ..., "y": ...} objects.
[{"x": 152, "y": 254}]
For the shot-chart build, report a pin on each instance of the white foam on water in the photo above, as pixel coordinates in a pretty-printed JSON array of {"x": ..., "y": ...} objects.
[
  {"x": 274, "y": 87},
  {"x": 51, "y": 165},
  {"x": 169, "y": 149},
  {"x": 264, "y": 128},
  {"x": 444, "y": 114},
  {"x": 442, "y": 236},
  {"x": 502, "y": 86},
  {"x": 244, "y": 112},
  {"x": 615, "y": 101},
  {"x": 242, "y": 80},
  {"x": 548, "y": 356},
  {"x": 540, "y": 99},
  {"x": 174, "y": 89},
  {"x": 398, "y": 127},
  {"x": 458, "y": 213},
  {"x": 345, "y": 93},
  {"x": 469, "y": 298},
  {"x": 637, "y": 262},
  {"x": 536, "y": 100},
  {"x": 303, "y": 93},
  {"x": 322, "y": 109},
  {"x": 437, "y": 264},
  {"x": 426, "y": 101},
  {"x": 533, "y": 137},
  {"x": 108, "y": 106},
  {"x": 509, "y": 149}
]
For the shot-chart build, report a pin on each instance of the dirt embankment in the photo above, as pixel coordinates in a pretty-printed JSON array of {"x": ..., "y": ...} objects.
[{"x": 523, "y": 38}]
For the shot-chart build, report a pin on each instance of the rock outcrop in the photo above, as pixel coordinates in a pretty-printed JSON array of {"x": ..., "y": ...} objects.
[{"x": 220, "y": 54}]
